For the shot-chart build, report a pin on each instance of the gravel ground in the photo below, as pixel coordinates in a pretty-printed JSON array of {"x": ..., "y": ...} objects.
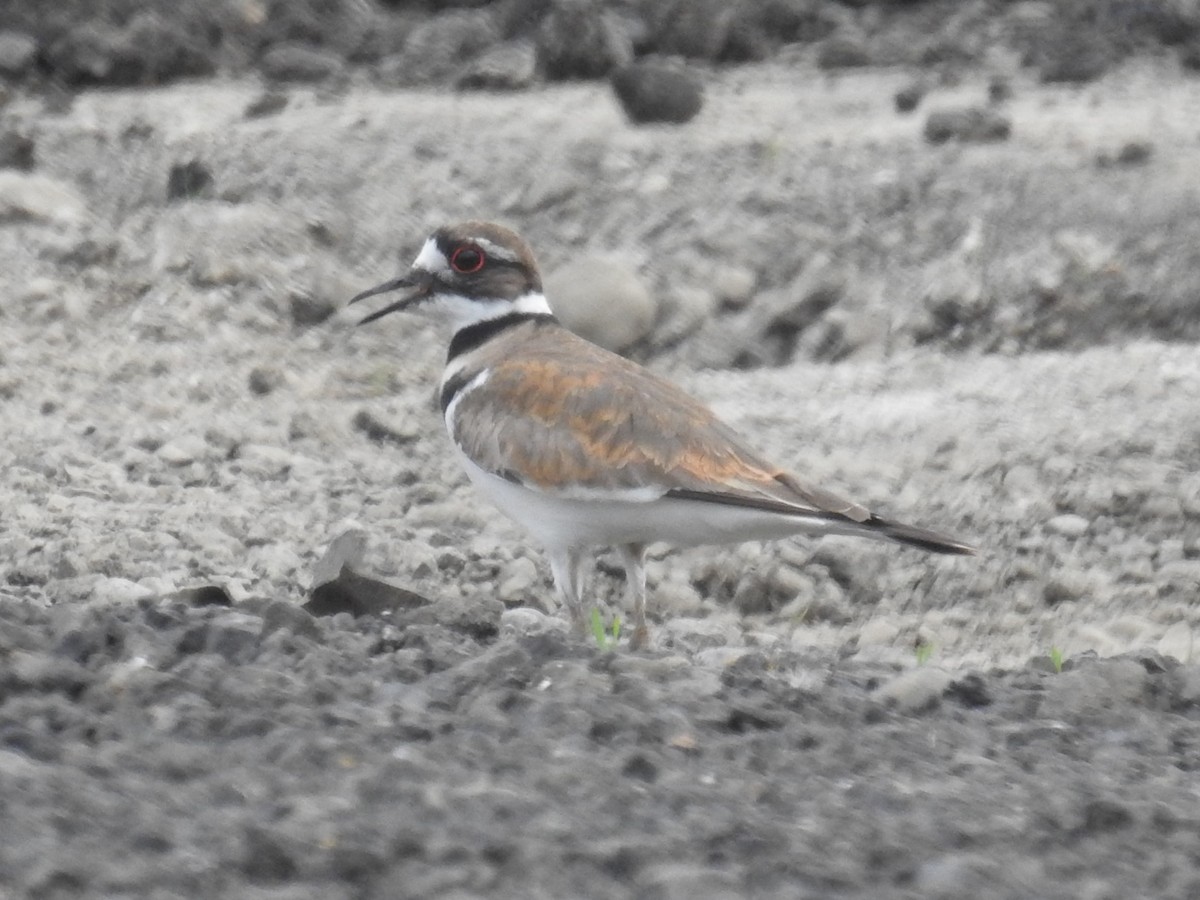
[{"x": 1007, "y": 354}]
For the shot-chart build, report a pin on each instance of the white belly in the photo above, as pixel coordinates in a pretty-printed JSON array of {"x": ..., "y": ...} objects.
[{"x": 562, "y": 522}]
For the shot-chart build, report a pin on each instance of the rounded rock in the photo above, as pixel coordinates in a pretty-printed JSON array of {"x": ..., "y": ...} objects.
[
  {"x": 603, "y": 300},
  {"x": 656, "y": 92}
]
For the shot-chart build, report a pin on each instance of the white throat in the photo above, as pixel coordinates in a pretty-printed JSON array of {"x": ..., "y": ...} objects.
[{"x": 462, "y": 311}]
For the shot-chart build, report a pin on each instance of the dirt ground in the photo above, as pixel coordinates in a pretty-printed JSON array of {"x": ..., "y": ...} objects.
[{"x": 1010, "y": 356}]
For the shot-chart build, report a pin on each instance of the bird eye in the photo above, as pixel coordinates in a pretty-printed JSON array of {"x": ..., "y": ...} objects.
[{"x": 467, "y": 259}]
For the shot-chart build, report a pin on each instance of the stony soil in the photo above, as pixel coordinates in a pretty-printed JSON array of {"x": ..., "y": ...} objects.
[{"x": 1005, "y": 349}]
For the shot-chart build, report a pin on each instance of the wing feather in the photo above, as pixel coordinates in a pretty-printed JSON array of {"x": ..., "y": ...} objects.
[{"x": 564, "y": 416}]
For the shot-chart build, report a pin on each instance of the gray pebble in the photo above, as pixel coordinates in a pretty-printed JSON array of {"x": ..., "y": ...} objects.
[{"x": 1068, "y": 525}]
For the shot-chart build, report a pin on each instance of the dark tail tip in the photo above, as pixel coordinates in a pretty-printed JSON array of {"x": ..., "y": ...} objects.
[{"x": 922, "y": 538}]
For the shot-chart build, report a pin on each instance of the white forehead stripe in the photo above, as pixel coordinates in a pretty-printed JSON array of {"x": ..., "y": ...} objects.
[
  {"x": 431, "y": 259},
  {"x": 491, "y": 248}
]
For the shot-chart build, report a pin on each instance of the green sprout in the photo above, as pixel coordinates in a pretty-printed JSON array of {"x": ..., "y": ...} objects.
[
  {"x": 1056, "y": 660},
  {"x": 605, "y": 640},
  {"x": 923, "y": 652}
]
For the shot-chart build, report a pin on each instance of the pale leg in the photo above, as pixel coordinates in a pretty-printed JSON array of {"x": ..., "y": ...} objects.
[
  {"x": 633, "y": 559},
  {"x": 564, "y": 566}
]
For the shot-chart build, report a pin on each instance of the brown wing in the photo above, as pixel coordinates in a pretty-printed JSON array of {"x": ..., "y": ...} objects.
[{"x": 566, "y": 414}]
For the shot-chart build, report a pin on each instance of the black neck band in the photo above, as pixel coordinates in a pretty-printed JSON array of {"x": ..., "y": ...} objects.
[{"x": 467, "y": 339}]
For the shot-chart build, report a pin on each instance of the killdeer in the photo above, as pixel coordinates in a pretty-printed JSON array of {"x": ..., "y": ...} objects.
[{"x": 587, "y": 449}]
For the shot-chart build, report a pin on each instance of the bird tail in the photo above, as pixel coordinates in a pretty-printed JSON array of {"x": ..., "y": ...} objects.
[{"x": 922, "y": 538}]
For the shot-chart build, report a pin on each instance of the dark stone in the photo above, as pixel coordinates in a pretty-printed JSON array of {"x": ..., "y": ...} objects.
[
  {"x": 970, "y": 124},
  {"x": 379, "y": 431},
  {"x": 908, "y": 98},
  {"x": 577, "y": 39},
  {"x": 205, "y": 595},
  {"x": 640, "y": 768},
  {"x": 656, "y": 92},
  {"x": 189, "y": 180},
  {"x": 309, "y": 310},
  {"x": 282, "y": 615},
  {"x": 263, "y": 380},
  {"x": 292, "y": 61},
  {"x": 999, "y": 90},
  {"x": 361, "y": 596},
  {"x": 1132, "y": 153},
  {"x": 1077, "y": 56},
  {"x": 264, "y": 857},
  {"x": 843, "y": 53},
  {"x": 266, "y": 104},
  {"x": 16, "y": 151},
  {"x": 1101, "y": 816},
  {"x": 970, "y": 690}
]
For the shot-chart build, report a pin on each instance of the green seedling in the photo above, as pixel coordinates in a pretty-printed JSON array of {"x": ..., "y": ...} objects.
[
  {"x": 923, "y": 652},
  {"x": 605, "y": 640},
  {"x": 1056, "y": 660}
]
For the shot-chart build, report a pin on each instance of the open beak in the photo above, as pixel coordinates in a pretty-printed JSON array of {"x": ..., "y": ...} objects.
[{"x": 418, "y": 284}]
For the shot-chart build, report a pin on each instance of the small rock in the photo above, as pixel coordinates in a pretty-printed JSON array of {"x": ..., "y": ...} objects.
[
  {"x": 308, "y": 310},
  {"x": 1103, "y": 815},
  {"x": 188, "y": 180},
  {"x": 603, "y": 300},
  {"x": 841, "y": 52},
  {"x": 1075, "y": 56},
  {"x": 182, "y": 452},
  {"x": 478, "y": 617},
  {"x": 291, "y": 61},
  {"x": 580, "y": 39},
  {"x": 345, "y": 550},
  {"x": 281, "y": 615},
  {"x": 734, "y": 286},
  {"x": 1178, "y": 642},
  {"x": 436, "y": 48},
  {"x": 508, "y": 67},
  {"x": 908, "y": 98},
  {"x": 916, "y": 690},
  {"x": 360, "y": 595},
  {"x": 232, "y": 635},
  {"x": 119, "y": 590},
  {"x": 205, "y": 595},
  {"x": 1068, "y": 525},
  {"x": 656, "y": 92},
  {"x": 1132, "y": 153},
  {"x": 517, "y": 581},
  {"x": 18, "y": 51},
  {"x": 263, "y": 380},
  {"x": 999, "y": 90},
  {"x": 382, "y": 432},
  {"x": 266, "y": 104},
  {"x": 1071, "y": 585},
  {"x": 970, "y": 125},
  {"x": 698, "y": 29},
  {"x": 878, "y": 633},
  {"x": 16, "y": 151},
  {"x": 39, "y": 198},
  {"x": 971, "y": 690},
  {"x": 523, "y": 620}
]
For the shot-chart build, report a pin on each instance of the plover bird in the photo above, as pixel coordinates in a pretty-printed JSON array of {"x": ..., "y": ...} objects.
[{"x": 587, "y": 449}]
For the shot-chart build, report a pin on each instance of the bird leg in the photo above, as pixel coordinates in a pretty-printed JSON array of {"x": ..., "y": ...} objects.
[
  {"x": 568, "y": 581},
  {"x": 633, "y": 559}
]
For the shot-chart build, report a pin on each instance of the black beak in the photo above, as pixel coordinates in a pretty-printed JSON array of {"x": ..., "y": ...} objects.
[{"x": 420, "y": 283}]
